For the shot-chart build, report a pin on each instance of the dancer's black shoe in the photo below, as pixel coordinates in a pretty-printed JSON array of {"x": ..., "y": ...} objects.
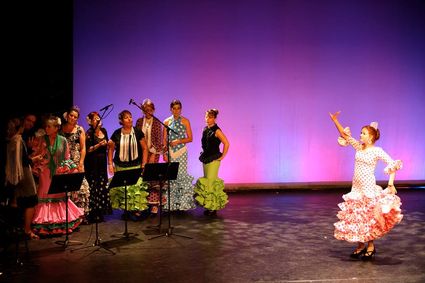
[
  {"x": 368, "y": 255},
  {"x": 358, "y": 253}
]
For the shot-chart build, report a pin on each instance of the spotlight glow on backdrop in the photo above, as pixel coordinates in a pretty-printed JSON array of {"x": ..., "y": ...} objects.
[{"x": 274, "y": 69}]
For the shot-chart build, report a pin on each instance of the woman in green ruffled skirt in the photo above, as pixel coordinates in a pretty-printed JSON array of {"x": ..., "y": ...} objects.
[
  {"x": 209, "y": 190},
  {"x": 127, "y": 149}
]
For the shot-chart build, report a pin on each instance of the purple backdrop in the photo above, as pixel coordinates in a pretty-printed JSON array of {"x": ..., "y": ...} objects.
[{"x": 274, "y": 69}]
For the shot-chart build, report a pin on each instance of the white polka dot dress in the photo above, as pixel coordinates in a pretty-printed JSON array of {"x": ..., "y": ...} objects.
[
  {"x": 182, "y": 189},
  {"x": 368, "y": 212}
]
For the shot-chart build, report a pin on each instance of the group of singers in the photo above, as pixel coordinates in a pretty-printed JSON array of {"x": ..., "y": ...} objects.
[{"x": 34, "y": 157}]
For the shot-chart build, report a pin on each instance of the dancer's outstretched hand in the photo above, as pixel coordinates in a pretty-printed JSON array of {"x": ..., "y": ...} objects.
[{"x": 334, "y": 116}]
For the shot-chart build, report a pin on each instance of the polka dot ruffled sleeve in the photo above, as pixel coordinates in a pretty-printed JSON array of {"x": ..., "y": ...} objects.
[{"x": 392, "y": 165}]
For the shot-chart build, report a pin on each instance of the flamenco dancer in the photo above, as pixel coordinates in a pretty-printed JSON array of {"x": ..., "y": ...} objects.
[
  {"x": 368, "y": 212},
  {"x": 209, "y": 190}
]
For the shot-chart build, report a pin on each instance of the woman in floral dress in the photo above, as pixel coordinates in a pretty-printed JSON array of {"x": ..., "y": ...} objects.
[
  {"x": 76, "y": 138},
  {"x": 368, "y": 212}
]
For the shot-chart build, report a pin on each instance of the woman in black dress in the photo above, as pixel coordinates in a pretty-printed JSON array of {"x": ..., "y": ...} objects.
[{"x": 96, "y": 168}]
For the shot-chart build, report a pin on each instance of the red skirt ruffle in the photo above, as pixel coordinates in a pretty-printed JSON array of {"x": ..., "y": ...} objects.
[{"x": 363, "y": 219}]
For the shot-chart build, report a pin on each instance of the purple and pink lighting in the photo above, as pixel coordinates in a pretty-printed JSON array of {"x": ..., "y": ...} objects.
[{"x": 273, "y": 68}]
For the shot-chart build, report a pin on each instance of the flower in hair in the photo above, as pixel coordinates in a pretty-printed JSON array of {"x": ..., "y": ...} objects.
[
  {"x": 374, "y": 125},
  {"x": 96, "y": 120}
]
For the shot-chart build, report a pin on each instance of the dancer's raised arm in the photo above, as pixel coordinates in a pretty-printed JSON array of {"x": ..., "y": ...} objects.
[{"x": 338, "y": 125}]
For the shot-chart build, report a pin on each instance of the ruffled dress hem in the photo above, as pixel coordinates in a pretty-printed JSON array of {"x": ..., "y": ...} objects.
[
  {"x": 136, "y": 197},
  {"x": 50, "y": 217},
  {"x": 363, "y": 219},
  {"x": 210, "y": 194}
]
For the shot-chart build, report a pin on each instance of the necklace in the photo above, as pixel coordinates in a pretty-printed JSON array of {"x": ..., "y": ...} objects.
[
  {"x": 52, "y": 150},
  {"x": 148, "y": 122}
]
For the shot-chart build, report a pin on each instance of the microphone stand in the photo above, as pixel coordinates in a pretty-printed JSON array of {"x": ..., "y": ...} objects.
[
  {"x": 104, "y": 112},
  {"x": 157, "y": 227},
  {"x": 169, "y": 231},
  {"x": 97, "y": 242}
]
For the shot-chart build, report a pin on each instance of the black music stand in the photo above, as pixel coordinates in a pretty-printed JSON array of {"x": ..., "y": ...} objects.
[
  {"x": 160, "y": 172},
  {"x": 163, "y": 172},
  {"x": 65, "y": 183},
  {"x": 124, "y": 178}
]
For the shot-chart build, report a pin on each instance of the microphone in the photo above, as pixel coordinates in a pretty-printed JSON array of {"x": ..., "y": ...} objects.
[
  {"x": 106, "y": 107},
  {"x": 135, "y": 103}
]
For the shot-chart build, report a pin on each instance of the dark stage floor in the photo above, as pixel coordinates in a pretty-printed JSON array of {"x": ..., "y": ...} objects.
[{"x": 261, "y": 236}]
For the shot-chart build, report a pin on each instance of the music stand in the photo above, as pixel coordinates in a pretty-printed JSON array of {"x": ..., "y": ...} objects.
[
  {"x": 159, "y": 172},
  {"x": 65, "y": 183},
  {"x": 162, "y": 172},
  {"x": 124, "y": 178}
]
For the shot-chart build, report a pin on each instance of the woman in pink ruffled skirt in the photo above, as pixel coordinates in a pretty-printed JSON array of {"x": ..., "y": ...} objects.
[
  {"x": 368, "y": 211},
  {"x": 51, "y": 157}
]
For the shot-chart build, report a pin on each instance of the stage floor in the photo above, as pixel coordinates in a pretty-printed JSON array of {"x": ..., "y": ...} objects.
[{"x": 261, "y": 236}]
